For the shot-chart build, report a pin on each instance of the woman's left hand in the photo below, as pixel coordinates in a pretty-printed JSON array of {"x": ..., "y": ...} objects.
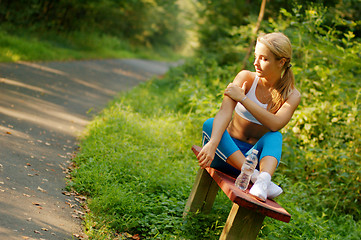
[{"x": 235, "y": 92}]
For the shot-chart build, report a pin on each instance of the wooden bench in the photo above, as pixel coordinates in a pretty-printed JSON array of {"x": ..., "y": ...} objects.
[{"x": 247, "y": 214}]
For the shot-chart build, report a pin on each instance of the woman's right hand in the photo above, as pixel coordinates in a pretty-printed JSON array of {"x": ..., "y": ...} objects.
[
  {"x": 206, "y": 155},
  {"x": 236, "y": 92}
]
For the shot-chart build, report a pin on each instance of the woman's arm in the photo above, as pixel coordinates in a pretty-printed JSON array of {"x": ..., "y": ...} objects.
[
  {"x": 272, "y": 121},
  {"x": 220, "y": 124}
]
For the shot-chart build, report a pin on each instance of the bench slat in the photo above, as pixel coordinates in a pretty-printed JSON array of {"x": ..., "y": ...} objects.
[{"x": 269, "y": 208}]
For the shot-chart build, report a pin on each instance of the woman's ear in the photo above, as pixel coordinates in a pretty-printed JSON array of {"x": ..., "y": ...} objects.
[{"x": 282, "y": 62}]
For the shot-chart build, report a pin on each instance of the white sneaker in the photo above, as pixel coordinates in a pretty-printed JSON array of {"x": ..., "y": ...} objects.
[
  {"x": 273, "y": 190},
  {"x": 260, "y": 187}
]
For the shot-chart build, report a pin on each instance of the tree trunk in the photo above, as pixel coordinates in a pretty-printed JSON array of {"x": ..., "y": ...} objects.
[{"x": 254, "y": 33}]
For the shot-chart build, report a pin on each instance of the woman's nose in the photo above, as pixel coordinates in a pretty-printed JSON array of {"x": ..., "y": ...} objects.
[{"x": 256, "y": 62}]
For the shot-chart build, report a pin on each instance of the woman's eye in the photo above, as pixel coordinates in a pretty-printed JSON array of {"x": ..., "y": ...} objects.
[{"x": 261, "y": 58}]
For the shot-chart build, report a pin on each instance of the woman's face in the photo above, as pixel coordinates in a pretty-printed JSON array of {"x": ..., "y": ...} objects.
[{"x": 265, "y": 62}]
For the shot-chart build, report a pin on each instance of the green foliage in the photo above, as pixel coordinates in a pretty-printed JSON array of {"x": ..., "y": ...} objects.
[
  {"x": 217, "y": 39},
  {"x": 326, "y": 126},
  {"x": 141, "y": 22},
  {"x": 233, "y": 21}
]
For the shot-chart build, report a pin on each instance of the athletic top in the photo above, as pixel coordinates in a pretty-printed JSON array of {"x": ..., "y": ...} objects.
[{"x": 242, "y": 111}]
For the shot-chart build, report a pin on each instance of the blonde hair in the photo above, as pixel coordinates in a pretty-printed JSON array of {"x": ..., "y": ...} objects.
[{"x": 281, "y": 47}]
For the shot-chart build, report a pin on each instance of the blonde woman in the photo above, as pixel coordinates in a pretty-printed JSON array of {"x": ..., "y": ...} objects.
[{"x": 264, "y": 102}]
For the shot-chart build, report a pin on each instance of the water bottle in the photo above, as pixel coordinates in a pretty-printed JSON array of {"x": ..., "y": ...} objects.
[{"x": 247, "y": 170}]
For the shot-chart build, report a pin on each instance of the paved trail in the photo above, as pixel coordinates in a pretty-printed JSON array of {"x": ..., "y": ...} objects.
[{"x": 43, "y": 109}]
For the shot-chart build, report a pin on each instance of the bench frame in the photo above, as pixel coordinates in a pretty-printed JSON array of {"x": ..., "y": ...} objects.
[{"x": 247, "y": 214}]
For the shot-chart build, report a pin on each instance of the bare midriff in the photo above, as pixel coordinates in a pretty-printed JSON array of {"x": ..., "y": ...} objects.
[{"x": 245, "y": 130}]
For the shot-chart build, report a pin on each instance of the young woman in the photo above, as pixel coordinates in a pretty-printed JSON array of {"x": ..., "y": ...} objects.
[{"x": 264, "y": 102}]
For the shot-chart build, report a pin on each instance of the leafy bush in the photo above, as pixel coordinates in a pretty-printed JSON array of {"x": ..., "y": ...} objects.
[
  {"x": 141, "y": 22},
  {"x": 325, "y": 126},
  {"x": 232, "y": 22}
]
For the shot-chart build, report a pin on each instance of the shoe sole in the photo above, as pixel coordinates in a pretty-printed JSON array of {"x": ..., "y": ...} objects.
[{"x": 258, "y": 198}]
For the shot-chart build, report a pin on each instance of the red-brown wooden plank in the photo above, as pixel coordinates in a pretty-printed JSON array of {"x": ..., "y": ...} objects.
[{"x": 269, "y": 208}]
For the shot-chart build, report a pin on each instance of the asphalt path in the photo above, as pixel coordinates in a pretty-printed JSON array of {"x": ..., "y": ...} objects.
[{"x": 44, "y": 107}]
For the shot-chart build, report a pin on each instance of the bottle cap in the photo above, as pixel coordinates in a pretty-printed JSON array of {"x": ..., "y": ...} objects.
[{"x": 255, "y": 151}]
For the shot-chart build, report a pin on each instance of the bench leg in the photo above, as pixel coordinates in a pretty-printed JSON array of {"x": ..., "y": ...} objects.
[
  {"x": 242, "y": 224},
  {"x": 203, "y": 194}
]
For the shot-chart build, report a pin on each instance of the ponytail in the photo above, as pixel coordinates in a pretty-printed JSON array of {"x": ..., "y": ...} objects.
[{"x": 282, "y": 90}]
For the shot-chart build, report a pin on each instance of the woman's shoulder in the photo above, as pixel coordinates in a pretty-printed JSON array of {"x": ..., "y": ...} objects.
[{"x": 245, "y": 76}]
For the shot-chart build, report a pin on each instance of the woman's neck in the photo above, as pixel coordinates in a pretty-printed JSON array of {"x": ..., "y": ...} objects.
[{"x": 270, "y": 81}]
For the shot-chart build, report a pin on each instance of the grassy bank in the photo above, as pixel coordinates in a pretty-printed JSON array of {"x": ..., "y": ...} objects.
[{"x": 29, "y": 46}]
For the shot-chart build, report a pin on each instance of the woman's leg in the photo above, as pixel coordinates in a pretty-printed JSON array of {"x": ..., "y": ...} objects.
[
  {"x": 230, "y": 154},
  {"x": 270, "y": 150},
  {"x": 229, "y": 158},
  {"x": 268, "y": 164},
  {"x": 270, "y": 147}
]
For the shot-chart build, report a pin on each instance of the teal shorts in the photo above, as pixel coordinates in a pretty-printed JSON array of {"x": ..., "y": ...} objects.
[{"x": 269, "y": 144}]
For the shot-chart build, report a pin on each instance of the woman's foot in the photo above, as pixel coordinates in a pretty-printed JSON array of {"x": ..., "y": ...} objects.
[
  {"x": 260, "y": 187},
  {"x": 273, "y": 189}
]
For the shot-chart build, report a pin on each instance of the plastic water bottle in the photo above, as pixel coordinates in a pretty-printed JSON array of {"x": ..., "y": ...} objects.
[{"x": 247, "y": 170}]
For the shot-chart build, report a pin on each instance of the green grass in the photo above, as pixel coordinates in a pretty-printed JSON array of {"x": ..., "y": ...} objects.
[
  {"x": 139, "y": 172},
  {"x": 31, "y": 46},
  {"x": 137, "y": 165}
]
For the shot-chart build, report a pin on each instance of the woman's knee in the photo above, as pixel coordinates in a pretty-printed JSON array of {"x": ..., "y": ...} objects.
[
  {"x": 208, "y": 125},
  {"x": 273, "y": 136}
]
